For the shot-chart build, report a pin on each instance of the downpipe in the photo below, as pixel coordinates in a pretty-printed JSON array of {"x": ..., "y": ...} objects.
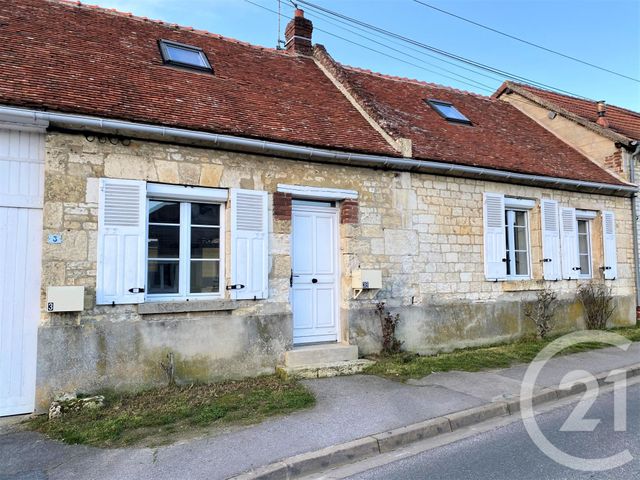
[{"x": 635, "y": 156}]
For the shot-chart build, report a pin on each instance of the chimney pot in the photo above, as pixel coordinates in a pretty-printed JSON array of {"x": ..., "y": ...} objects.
[
  {"x": 297, "y": 34},
  {"x": 602, "y": 112}
]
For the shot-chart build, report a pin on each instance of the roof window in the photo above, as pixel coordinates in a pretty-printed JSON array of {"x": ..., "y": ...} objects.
[
  {"x": 181, "y": 55},
  {"x": 448, "y": 111}
]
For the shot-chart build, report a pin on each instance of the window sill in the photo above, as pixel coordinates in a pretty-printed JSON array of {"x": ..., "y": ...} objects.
[{"x": 152, "y": 308}]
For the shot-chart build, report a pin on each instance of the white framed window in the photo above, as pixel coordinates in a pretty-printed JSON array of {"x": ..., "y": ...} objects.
[
  {"x": 517, "y": 243},
  {"x": 185, "y": 249},
  {"x": 167, "y": 243},
  {"x": 506, "y": 237},
  {"x": 584, "y": 248}
]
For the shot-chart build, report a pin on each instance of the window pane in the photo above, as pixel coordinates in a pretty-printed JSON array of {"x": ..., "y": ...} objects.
[
  {"x": 162, "y": 277},
  {"x": 583, "y": 244},
  {"x": 585, "y": 268},
  {"x": 582, "y": 226},
  {"x": 205, "y": 277},
  {"x": 205, "y": 214},
  {"x": 520, "y": 238},
  {"x": 522, "y": 263},
  {"x": 164, "y": 212},
  {"x": 164, "y": 241},
  {"x": 520, "y": 219},
  {"x": 205, "y": 243},
  {"x": 185, "y": 55}
]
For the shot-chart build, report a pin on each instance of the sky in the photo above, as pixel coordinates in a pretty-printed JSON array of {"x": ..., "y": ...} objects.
[{"x": 605, "y": 33}]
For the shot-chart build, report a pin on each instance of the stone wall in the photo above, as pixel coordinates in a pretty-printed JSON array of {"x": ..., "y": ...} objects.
[{"x": 423, "y": 231}]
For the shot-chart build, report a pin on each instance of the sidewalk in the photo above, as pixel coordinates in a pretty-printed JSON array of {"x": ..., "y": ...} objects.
[{"x": 348, "y": 408}]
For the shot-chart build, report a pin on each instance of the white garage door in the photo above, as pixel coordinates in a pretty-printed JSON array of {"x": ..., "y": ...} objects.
[{"x": 21, "y": 187}]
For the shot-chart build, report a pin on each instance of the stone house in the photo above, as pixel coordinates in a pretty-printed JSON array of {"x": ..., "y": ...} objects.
[
  {"x": 164, "y": 189},
  {"x": 606, "y": 134}
]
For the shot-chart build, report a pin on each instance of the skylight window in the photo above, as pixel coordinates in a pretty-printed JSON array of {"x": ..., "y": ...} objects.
[
  {"x": 188, "y": 56},
  {"x": 448, "y": 111}
]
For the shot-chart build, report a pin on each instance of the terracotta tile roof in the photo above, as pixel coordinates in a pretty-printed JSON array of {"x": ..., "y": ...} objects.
[
  {"x": 65, "y": 57},
  {"x": 501, "y": 137},
  {"x": 621, "y": 120}
]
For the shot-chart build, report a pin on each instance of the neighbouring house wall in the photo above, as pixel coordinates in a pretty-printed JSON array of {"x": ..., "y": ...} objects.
[
  {"x": 424, "y": 232},
  {"x": 594, "y": 146}
]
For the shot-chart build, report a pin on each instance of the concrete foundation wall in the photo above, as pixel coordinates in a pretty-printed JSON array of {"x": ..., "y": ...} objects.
[{"x": 423, "y": 232}]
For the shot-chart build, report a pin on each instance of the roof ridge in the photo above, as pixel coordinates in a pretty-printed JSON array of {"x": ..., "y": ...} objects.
[
  {"x": 609, "y": 105},
  {"x": 176, "y": 26},
  {"x": 415, "y": 81}
]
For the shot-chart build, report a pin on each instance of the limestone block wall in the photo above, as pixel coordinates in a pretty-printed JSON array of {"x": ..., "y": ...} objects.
[{"x": 424, "y": 233}]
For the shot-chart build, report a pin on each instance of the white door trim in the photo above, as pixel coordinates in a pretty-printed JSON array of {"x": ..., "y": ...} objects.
[{"x": 334, "y": 211}]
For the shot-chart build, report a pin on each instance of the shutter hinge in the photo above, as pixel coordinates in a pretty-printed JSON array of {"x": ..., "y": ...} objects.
[
  {"x": 136, "y": 290},
  {"x": 545, "y": 260},
  {"x": 605, "y": 268},
  {"x": 237, "y": 286}
]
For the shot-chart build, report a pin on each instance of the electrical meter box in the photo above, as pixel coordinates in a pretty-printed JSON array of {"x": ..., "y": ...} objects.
[
  {"x": 366, "y": 279},
  {"x": 65, "y": 299}
]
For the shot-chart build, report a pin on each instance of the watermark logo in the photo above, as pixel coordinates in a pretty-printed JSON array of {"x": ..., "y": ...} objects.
[{"x": 576, "y": 422}]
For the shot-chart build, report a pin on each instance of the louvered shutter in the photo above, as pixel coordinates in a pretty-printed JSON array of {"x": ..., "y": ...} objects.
[
  {"x": 495, "y": 243},
  {"x": 551, "y": 260},
  {"x": 609, "y": 245},
  {"x": 121, "y": 242},
  {"x": 249, "y": 244},
  {"x": 570, "y": 257}
]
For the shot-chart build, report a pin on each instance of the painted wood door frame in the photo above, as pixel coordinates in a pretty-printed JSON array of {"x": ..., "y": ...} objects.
[{"x": 334, "y": 211}]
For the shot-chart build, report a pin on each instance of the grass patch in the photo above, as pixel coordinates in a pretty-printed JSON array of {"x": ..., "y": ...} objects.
[
  {"x": 162, "y": 414},
  {"x": 405, "y": 365}
]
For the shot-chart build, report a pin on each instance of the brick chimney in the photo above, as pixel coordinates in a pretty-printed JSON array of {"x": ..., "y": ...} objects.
[
  {"x": 298, "y": 34},
  {"x": 602, "y": 112}
]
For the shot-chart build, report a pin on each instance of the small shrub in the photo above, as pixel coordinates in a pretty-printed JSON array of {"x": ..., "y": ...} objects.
[
  {"x": 541, "y": 312},
  {"x": 598, "y": 305},
  {"x": 388, "y": 323}
]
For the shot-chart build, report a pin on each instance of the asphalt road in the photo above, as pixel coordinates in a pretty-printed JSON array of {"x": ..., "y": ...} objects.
[{"x": 508, "y": 453}]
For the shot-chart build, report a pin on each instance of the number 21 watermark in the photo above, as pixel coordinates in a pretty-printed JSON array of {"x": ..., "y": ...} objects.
[{"x": 576, "y": 422}]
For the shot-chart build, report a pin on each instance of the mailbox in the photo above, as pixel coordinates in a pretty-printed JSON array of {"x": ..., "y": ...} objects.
[
  {"x": 366, "y": 279},
  {"x": 65, "y": 299}
]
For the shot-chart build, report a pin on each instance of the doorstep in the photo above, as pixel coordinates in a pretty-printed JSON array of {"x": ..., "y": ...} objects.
[{"x": 322, "y": 360}]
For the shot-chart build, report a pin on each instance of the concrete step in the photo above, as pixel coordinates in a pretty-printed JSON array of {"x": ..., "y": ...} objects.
[
  {"x": 323, "y": 370},
  {"x": 320, "y": 354}
]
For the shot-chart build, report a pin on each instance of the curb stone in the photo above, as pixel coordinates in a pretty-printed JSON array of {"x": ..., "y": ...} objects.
[{"x": 335, "y": 455}]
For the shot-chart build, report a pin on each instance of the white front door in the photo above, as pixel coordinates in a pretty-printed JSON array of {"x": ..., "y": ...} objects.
[
  {"x": 314, "y": 275},
  {"x": 21, "y": 185}
]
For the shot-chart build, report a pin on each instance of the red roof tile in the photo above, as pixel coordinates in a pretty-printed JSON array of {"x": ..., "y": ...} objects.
[
  {"x": 500, "y": 136},
  {"x": 621, "y": 120},
  {"x": 67, "y": 57},
  {"x": 71, "y": 58}
]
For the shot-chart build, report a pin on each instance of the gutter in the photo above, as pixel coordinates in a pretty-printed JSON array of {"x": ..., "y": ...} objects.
[
  {"x": 263, "y": 147},
  {"x": 635, "y": 157}
]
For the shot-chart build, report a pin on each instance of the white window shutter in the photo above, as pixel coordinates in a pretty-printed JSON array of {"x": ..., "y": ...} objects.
[
  {"x": 249, "y": 244},
  {"x": 551, "y": 260},
  {"x": 495, "y": 242},
  {"x": 570, "y": 257},
  {"x": 609, "y": 245},
  {"x": 121, "y": 242}
]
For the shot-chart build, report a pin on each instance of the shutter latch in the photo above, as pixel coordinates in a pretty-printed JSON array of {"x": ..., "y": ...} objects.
[
  {"x": 237, "y": 286},
  {"x": 136, "y": 290},
  {"x": 545, "y": 260}
]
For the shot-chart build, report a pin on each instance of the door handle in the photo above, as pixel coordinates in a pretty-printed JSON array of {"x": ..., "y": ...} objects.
[{"x": 314, "y": 280}]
